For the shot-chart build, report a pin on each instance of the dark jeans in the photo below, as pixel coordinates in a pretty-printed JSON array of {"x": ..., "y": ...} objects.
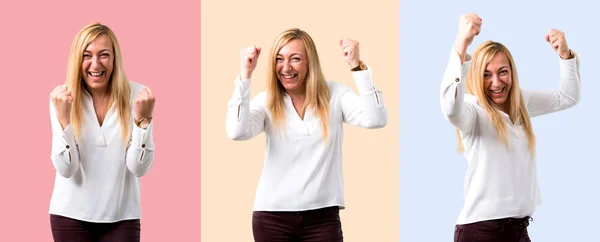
[
  {"x": 319, "y": 225},
  {"x": 498, "y": 230},
  {"x": 71, "y": 230}
]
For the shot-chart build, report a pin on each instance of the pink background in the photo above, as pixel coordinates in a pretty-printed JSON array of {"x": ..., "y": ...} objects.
[{"x": 161, "y": 49}]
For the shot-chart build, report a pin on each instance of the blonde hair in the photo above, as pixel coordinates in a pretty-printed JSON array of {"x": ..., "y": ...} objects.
[
  {"x": 475, "y": 86},
  {"x": 317, "y": 91},
  {"x": 119, "y": 89}
]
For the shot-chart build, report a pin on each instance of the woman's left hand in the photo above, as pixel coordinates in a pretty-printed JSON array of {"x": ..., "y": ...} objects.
[
  {"x": 351, "y": 52},
  {"x": 556, "y": 38},
  {"x": 143, "y": 104}
]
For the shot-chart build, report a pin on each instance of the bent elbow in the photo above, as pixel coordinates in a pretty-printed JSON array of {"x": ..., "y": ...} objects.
[
  {"x": 63, "y": 167},
  {"x": 235, "y": 134},
  {"x": 377, "y": 123},
  {"x": 66, "y": 173},
  {"x": 139, "y": 170},
  {"x": 571, "y": 101}
]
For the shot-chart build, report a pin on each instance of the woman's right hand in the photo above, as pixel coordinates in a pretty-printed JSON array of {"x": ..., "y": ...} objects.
[
  {"x": 249, "y": 58},
  {"x": 62, "y": 99},
  {"x": 469, "y": 26}
]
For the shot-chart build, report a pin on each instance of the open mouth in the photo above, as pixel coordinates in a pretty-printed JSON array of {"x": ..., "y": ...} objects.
[
  {"x": 289, "y": 77},
  {"x": 96, "y": 74},
  {"x": 498, "y": 91}
]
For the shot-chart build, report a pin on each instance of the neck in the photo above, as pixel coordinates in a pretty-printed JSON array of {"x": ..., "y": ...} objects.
[
  {"x": 504, "y": 108},
  {"x": 100, "y": 93},
  {"x": 297, "y": 95}
]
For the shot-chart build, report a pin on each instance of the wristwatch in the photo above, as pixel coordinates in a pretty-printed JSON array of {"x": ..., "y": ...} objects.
[
  {"x": 361, "y": 67},
  {"x": 571, "y": 55},
  {"x": 143, "y": 122}
]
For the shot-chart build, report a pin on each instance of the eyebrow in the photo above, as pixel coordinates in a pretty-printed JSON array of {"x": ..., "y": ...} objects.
[
  {"x": 294, "y": 54},
  {"x": 102, "y": 50},
  {"x": 501, "y": 68}
]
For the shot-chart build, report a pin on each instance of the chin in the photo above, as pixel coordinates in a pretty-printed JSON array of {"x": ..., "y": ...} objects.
[
  {"x": 499, "y": 101},
  {"x": 96, "y": 84},
  {"x": 290, "y": 86}
]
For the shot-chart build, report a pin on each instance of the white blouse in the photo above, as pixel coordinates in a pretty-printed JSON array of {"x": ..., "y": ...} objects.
[
  {"x": 500, "y": 181},
  {"x": 301, "y": 171},
  {"x": 97, "y": 178}
]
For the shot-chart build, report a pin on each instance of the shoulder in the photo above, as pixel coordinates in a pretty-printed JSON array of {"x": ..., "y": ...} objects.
[
  {"x": 260, "y": 99},
  {"x": 471, "y": 99},
  {"x": 337, "y": 88}
]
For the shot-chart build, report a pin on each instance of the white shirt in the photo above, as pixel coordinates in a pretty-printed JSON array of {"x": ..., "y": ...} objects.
[
  {"x": 301, "y": 171},
  {"x": 97, "y": 178},
  {"x": 500, "y": 182}
]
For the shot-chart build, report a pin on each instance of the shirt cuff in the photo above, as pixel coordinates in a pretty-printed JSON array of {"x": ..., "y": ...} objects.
[
  {"x": 242, "y": 84},
  {"x": 67, "y": 137},
  {"x": 142, "y": 138},
  {"x": 241, "y": 91},
  {"x": 569, "y": 65},
  {"x": 364, "y": 81},
  {"x": 459, "y": 71}
]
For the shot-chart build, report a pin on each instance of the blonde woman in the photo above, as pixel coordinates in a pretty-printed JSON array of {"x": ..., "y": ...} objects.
[
  {"x": 481, "y": 97},
  {"x": 101, "y": 143},
  {"x": 301, "y": 188}
]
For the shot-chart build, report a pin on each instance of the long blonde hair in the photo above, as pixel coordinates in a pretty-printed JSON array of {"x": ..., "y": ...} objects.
[
  {"x": 119, "y": 88},
  {"x": 475, "y": 86},
  {"x": 317, "y": 91}
]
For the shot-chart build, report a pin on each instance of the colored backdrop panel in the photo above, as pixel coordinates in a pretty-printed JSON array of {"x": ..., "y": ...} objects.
[
  {"x": 432, "y": 172},
  {"x": 230, "y": 169},
  {"x": 160, "y": 42}
]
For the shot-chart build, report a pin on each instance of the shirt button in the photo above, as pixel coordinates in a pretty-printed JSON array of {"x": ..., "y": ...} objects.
[
  {"x": 68, "y": 147},
  {"x": 143, "y": 145},
  {"x": 457, "y": 80}
]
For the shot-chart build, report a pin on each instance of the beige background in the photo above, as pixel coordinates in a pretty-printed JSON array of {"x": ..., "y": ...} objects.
[{"x": 230, "y": 170}]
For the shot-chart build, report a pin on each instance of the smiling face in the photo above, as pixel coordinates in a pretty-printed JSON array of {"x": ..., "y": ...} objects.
[
  {"x": 497, "y": 80},
  {"x": 97, "y": 64},
  {"x": 292, "y": 66}
]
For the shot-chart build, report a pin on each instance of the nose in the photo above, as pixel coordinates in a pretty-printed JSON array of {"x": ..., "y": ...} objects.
[
  {"x": 496, "y": 80},
  {"x": 95, "y": 62},
  {"x": 287, "y": 65}
]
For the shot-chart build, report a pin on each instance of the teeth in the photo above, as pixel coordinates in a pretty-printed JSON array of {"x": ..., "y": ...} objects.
[
  {"x": 289, "y": 76},
  {"x": 498, "y": 91},
  {"x": 96, "y": 74}
]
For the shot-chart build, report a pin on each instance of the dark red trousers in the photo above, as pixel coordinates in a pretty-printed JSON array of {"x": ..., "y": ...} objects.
[
  {"x": 320, "y": 225},
  {"x": 498, "y": 230},
  {"x": 71, "y": 230}
]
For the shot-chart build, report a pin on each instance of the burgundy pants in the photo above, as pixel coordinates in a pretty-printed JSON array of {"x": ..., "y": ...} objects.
[
  {"x": 498, "y": 230},
  {"x": 320, "y": 225},
  {"x": 70, "y": 230}
]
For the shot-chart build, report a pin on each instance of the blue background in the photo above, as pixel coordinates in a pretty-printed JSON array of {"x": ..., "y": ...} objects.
[{"x": 432, "y": 172}]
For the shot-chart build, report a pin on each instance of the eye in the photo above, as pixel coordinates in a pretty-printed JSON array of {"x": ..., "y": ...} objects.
[
  {"x": 279, "y": 59},
  {"x": 105, "y": 55},
  {"x": 503, "y": 72},
  {"x": 486, "y": 75},
  {"x": 87, "y": 56},
  {"x": 296, "y": 59}
]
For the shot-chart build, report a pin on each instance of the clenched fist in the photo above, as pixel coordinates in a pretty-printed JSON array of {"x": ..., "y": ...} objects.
[
  {"x": 143, "y": 104},
  {"x": 469, "y": 26},
  {"x": 351, "y": 52},
  {"x": 556, "y": 38},
  {"x": 249, "y": 58},
  {"x": 62, "y": 99}
]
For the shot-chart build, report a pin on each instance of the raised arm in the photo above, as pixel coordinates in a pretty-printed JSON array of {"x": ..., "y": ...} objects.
[
  {"x": 140, "y": 153},
  {"x": 452, "y": 90},
  {"x": 245, "y": 119},
  {"x": 540, "y": 102},
  {"x": 367, "y": 109},
  {"x": 65, "y": 152}
]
